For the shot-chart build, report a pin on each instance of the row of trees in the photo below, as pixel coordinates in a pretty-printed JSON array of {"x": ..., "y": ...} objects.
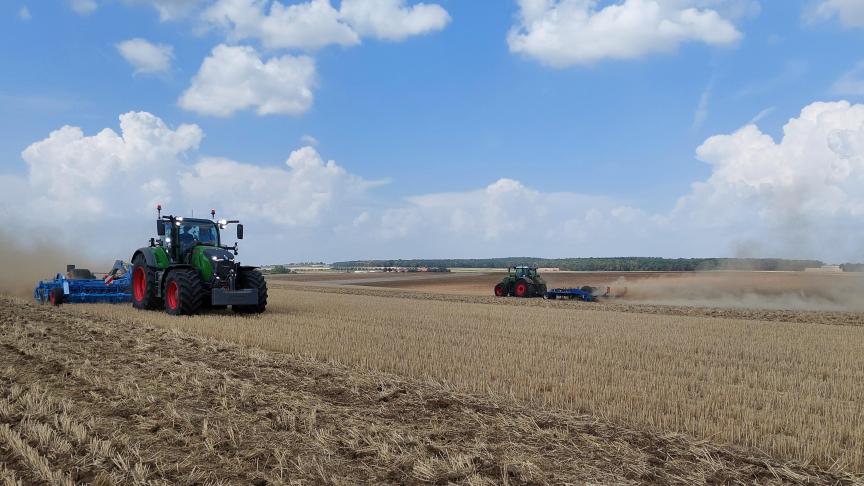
[{"x": 617, "y": 264}]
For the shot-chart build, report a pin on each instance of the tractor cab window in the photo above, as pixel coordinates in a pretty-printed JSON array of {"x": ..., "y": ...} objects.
[
  {"x": 192, "y": 234},
  {"x": 207, "y": 235},
  {"x": 520, "y": 272}
]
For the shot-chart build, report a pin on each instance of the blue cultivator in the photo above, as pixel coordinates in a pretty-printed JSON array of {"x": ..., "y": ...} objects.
[
  {"x": 585, "y": 294},
  {"x": 79, "y": 286}
]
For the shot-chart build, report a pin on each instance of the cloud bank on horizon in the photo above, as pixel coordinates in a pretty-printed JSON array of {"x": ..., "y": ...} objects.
[
  {"x": 795, "y": 196},
  {"x": 799, "y": 194}
]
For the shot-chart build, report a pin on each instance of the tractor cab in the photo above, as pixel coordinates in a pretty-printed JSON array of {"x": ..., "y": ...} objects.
[
  {"x": 186, "y": 234},
  {"x": 183, "y": 238},
  {"x": 520, "y": 272}
]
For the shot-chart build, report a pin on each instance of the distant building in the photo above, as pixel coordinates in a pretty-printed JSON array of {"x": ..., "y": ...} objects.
[{"x": 825, "y": 269}]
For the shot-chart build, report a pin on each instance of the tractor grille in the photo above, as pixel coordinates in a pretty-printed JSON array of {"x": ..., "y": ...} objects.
[
  {"x": 224, "y": 266},
  {"x": 223, "y": 271}
]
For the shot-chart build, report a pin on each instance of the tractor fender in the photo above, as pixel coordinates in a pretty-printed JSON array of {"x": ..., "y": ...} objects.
[
  {"x": 147, "y": 253},
  {"x": 153, "y": 260}
]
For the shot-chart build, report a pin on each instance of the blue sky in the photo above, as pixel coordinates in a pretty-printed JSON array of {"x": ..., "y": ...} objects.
[{"x": 592, "y": 120}]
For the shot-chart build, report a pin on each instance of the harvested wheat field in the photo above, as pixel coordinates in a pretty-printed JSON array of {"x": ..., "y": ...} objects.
[
  {"x": 96, "y": 394},
  {"x": 789, "y": 389}
]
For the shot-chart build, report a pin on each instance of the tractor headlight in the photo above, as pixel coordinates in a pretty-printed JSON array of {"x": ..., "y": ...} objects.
[
  {"x": 180, "y": 218},
  {"x": 223, "y": 222},
  {"x": 167, "y": 240}
]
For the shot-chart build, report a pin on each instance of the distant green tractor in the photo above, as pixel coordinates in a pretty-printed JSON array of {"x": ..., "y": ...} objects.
[
  {"x": 521, "y": 281},
  {"x": 188, "y": 270}
]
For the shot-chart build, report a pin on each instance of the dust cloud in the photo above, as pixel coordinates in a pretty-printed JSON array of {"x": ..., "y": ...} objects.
[
  {"x": 801, "y": 291},
  {"x": 24, "y": 266}
]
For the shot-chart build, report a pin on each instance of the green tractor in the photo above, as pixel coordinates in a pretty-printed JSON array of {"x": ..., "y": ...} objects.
[
  {"x": 187, "y": 270},
  {"x": 521, "y": 281}
]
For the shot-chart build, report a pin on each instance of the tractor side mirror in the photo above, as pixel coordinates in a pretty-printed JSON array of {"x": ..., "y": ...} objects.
[
  {"x": 160, "y": 228},
  {"x": 239, "y": 231}
]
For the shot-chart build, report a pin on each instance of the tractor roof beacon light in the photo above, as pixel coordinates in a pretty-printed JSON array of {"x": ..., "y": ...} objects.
[
  {"x": 159, "y": 211},
  {"x": 212, "y": 214}
]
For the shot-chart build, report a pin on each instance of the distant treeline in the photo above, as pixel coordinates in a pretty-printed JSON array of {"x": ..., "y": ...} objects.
[{"x": 619, "y": 264}]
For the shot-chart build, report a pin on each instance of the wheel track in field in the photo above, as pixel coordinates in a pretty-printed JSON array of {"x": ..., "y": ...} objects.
[{"x": 360, "y": 427}]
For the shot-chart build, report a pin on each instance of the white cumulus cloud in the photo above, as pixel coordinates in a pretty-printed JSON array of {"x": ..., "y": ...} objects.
[
  {"x": 849, "y": 12},
  {"x": 76, "y": 176},
  {"x": 563, "y": 33},
  {"x": 234, "y": 78},
  {"x": 301, "y": 193},
  {"x": 98, "y": 192},
  {"x": 802, "y": 195},
  {"x": 307, "y": 25},
  {"x": 83, "y": 7},
  {"x": 799, "y": 196},
  {"x": 145, "y": 56},
  {"x": 393, "y": 19},
  {"x": 316, "y": 23}
]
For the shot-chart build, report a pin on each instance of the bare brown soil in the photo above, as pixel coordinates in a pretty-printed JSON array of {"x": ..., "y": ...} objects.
[
  {"x": 791, "y": 291},
  {"x": 87, "y": 399},
  {"x": 835, "y": 318}
]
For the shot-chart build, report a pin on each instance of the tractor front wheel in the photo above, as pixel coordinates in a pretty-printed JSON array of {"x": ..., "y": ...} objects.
[
  {"x": 500, "y": 290},
  {"x": 522, "y": 289},
  {"x": 56, "y": 296},
  {"x": 183, "y": 291},
  {"x": 144, "y": 285},
  {"x": 252, "y": 279}
]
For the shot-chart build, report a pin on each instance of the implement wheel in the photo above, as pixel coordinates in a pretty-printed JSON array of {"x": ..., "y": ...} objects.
[
  {"x": 56, "y": 297},
  {"x": 183, "y": 291}
]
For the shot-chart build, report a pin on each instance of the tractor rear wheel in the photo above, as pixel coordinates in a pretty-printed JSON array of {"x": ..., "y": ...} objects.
[
  {"x": 144, "y": 285},
  {"x": 183, "y": 291},
  {"x": 252, "y": 279},
  {"x": 522, "y": 289},
  {"x": 56, "y": 296},
  {"x": 500, "y": 290}
]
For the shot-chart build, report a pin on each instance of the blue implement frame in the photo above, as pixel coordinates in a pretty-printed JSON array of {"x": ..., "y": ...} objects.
[
  {"x": 570, "y": 294},
  {"x": 89, "y": 291}
]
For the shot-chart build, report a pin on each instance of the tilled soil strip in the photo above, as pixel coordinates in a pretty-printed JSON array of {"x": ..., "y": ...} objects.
[
  {"x": 90, "y": 401},
  {"x": 797, "y": 317}
]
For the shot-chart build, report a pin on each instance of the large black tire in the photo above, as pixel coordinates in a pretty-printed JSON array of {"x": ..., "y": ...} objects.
[
  {"x": 144, "y": 286},
  {"x": 252, "y": 279},
  {"x": 183, "y": 292},
  {"x": 56, "y": 296},
  {"x": 500, "y": 290},
  {"x": 522, "y": 288}
]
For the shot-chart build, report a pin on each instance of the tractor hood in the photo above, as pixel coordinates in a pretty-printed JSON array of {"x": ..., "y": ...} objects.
[{"x": 217, "y": 254}]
